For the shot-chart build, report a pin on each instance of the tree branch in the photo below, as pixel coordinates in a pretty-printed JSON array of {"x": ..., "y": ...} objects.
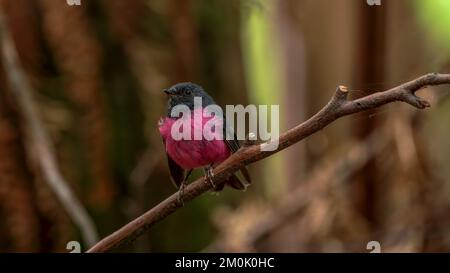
[
  {"x": 337, "y": 107},
  {"x": 22, "y": 93}
]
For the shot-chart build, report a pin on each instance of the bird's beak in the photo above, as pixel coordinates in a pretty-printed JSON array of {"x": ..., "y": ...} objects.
[{"x": 167, "y": 92}]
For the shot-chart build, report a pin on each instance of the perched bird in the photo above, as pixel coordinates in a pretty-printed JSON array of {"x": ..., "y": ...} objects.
[{"x": 185, "y": 155}]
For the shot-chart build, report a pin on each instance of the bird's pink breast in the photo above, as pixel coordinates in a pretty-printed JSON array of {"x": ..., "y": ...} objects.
[{"x": 191, "y": 154}]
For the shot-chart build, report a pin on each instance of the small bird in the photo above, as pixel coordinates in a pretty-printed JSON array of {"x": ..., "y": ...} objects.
[{"x": 185, "y": 155}]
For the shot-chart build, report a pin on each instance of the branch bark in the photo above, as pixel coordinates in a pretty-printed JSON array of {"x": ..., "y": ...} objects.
[
  {"x": 337, "y": 107},
  {"x": 22, "y": 92}
]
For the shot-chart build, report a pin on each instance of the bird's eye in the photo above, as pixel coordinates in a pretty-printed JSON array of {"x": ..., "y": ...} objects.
[{"x": 187, "y": 92}]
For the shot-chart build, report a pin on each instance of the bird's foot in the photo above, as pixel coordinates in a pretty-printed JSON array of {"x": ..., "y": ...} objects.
[
  {"x": 209, "y": 174},
  {"x": 181, "y": 189},
  {"x": 180, "y": 194}
]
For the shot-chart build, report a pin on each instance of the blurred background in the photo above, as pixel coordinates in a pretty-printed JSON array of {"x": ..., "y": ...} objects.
[{"x": 97, "y": 72}]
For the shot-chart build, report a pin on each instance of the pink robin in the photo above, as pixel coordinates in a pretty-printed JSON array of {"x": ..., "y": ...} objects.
[{"x": 184, "y": 155}]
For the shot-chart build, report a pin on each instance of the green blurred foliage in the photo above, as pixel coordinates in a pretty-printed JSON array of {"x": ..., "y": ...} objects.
[{"x": 435, "y": 18}]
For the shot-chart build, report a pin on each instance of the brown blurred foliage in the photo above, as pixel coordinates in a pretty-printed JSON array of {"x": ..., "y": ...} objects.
[{"x": 98, "y": 70}]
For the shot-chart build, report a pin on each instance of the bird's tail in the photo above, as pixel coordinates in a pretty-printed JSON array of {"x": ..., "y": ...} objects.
[{"x": 236, "y": 183}]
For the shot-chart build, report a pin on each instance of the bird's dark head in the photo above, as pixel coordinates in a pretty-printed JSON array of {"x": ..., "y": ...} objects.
[{"x": 184, "y": 93}]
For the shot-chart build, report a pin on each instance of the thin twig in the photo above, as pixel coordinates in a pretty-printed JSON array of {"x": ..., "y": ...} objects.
[
  {"x": 337, "y": 107},
  {"x": 22, "y": 91}
]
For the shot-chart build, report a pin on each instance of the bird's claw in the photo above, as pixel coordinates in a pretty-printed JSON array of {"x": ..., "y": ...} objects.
[
  {"x": 209, "y": 176},
  {"x": 180, "y": 194}
]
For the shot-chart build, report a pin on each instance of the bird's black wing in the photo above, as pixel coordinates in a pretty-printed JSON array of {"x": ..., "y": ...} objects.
[
  {"x": 233, "y": 145},
  {"x": 176, "y": 172},
  {"x": 230, "y": 137}
]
